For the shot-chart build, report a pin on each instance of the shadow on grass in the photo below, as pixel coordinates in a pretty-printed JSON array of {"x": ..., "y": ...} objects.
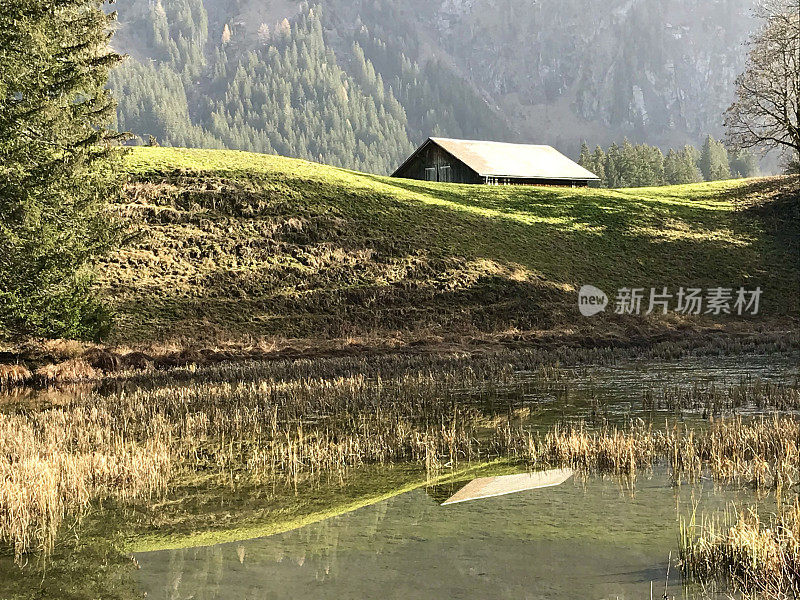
[
  {"x": 617, "y": 209},
  {"x": 372, "y": 261}
]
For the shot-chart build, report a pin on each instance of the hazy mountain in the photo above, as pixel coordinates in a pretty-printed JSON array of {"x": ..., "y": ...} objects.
[{"x": 357, "y": 83}]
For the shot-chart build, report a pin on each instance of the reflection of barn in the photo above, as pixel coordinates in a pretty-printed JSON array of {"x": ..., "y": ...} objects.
[{"x": 493, "y": 163}]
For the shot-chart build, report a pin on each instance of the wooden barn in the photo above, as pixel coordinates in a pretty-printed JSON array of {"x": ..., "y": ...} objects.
[{"x": 492, "y": 163}]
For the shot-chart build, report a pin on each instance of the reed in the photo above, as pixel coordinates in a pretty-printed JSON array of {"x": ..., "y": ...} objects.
[
  {"x": 54, "y": 463},
  {"x": 13, "y": 375},
  {"x": 714, "y": 399},
  {"x": 75, "y": 369},
  {"x": 64, "y": 361},
  {"x": 272, "y": 423},
  {"x": 752, "y": 554},
  {"x": 763, "y": 452},
  {"x": 608, "y": 449}
]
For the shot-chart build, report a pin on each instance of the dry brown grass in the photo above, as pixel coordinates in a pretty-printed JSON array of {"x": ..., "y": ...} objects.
[
  {"x": 714, "y": 398},
  {"x": 751, "y": 553},
  {"x": 764, "y": 452},
  {"x": 56, "y": 360},
  {"x": 72, "y": 370},
  {"x": 619, "y": 450},
  {"x": 14, "y": 375},
  {"x": 55, "y": 462}
]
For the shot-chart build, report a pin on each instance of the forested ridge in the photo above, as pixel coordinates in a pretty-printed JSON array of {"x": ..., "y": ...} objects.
[{"x": 359, "y": 84}]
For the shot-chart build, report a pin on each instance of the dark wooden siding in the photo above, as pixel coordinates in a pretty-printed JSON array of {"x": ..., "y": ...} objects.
[
  {"x": 440, "y": 162},
  {"x": 540, "y": 182}
]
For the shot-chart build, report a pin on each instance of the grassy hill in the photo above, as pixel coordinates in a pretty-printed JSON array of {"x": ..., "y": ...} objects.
[{"x": 229, "y": 245}]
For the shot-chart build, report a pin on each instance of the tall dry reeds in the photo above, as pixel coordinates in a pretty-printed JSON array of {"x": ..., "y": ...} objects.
[
  {"x": 714, "y": 398},
  {"x": 763, "y": 452},
  {"x": 54, "y": 463},
  {"x": 609, "y": 449},
  {"x": 750, "y": 553},
  {"x": 13, "y": 375}
]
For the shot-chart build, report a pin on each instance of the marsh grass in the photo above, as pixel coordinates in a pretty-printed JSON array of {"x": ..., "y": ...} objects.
[
  {"x": 54, "y": 463},
  {"x": 291, "y": 423},
  {"x": 13, "y": 375},
  {"x": 46, "y": 363},
  {"x": 751, "y": 553},
  {"x": 763, "y": 452},
  {"x": 713, "y": 399}
]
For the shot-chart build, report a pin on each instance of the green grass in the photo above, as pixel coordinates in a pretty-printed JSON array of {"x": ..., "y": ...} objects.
[{"x": 230, "y": 244}]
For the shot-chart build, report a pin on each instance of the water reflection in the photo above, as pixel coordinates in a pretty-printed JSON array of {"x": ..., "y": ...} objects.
[
  {"x": 501, "y": 485},
  {"x": 588, "y": 538}
]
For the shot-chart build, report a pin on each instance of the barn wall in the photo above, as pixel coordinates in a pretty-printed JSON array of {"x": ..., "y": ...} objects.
[
  {"x": 432, "y": 156},
  {"x": 543, "y": 182}
]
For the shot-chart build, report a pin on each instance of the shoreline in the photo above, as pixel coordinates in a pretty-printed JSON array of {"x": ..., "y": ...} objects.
[{"x": 46, "y": 363}]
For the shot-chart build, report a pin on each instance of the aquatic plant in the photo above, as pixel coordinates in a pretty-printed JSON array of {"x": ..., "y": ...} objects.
[
  {"x": 54, "y": 463},
  {"x": 620, "y": 450},
  {"x": 290, "y": 422},
  {"x": 764, "y": 452},
  {"x": 751, "y": 553},
  {"x": 12, "y": 375},
  {"x": 714, "y": 399}
]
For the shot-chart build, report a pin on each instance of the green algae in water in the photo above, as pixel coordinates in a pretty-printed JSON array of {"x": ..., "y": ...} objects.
[
  {"x": 541, "y": 545},
  {"x": 591, "y": 537}
]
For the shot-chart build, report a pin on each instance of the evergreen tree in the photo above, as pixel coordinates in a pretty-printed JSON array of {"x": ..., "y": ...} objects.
[
  {"x": 713, "y": 161},
  {"x": 285, "y": 93},
  {"x": 671, "y": 167},
  {"x": 690, "y": 172},
  {"x": 599, "y": 164},
  {"x": 642, "y": 165},
  {"x": 613, "y": 167},
  {"x": 57, "y": 170},
  {"x": 586, "y": 160},
  {"x": 681, "y": 167},
  {"x": 626, "y": 165},
  {"x": 743, "y": 164}
]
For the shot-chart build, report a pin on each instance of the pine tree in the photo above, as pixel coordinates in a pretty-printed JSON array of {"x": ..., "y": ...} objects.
[
  {"x": 744, "y": 164},
  {"x": 713, "y": 161},
  {"x": 671, "y": 167},
  {"x": 585, "y": 160},
  {"x": 263, "y": 33},
  {"x": 599, "y": 165},
  {"x": 680, "y": 167},
  {"x": 57, "y": 170},
  {"x": 613, "y": 167}
]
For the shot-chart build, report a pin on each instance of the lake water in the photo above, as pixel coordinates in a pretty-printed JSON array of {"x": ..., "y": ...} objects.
[
  {"x": 590, "y": 537},
  {"x": 587, "y": 538}
]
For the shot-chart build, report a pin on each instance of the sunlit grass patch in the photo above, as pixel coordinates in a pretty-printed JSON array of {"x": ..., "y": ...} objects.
[{"x": 301, "y": 248}]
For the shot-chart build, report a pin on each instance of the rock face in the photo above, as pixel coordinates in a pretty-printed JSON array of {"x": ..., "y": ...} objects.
[
  {"x": 551, "y": 71},
  {"x": 650, "y": 69}
]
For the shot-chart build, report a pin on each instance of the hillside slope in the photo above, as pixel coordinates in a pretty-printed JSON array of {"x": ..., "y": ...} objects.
[
  {"x": 355, "y": 82},
  {"x": 229, "y": 245}
]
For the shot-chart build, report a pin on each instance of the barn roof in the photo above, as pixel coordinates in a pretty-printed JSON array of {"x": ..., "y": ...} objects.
[{"x": 499, "y": 159}]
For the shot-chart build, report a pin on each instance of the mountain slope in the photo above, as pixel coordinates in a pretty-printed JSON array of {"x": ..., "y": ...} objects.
[
  {"x": 229, "y": 244},
  {"x": 358, "y": 83}
]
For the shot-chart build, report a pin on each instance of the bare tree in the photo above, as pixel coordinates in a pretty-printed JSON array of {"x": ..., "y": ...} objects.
[{"x": 766, "y": 113}]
